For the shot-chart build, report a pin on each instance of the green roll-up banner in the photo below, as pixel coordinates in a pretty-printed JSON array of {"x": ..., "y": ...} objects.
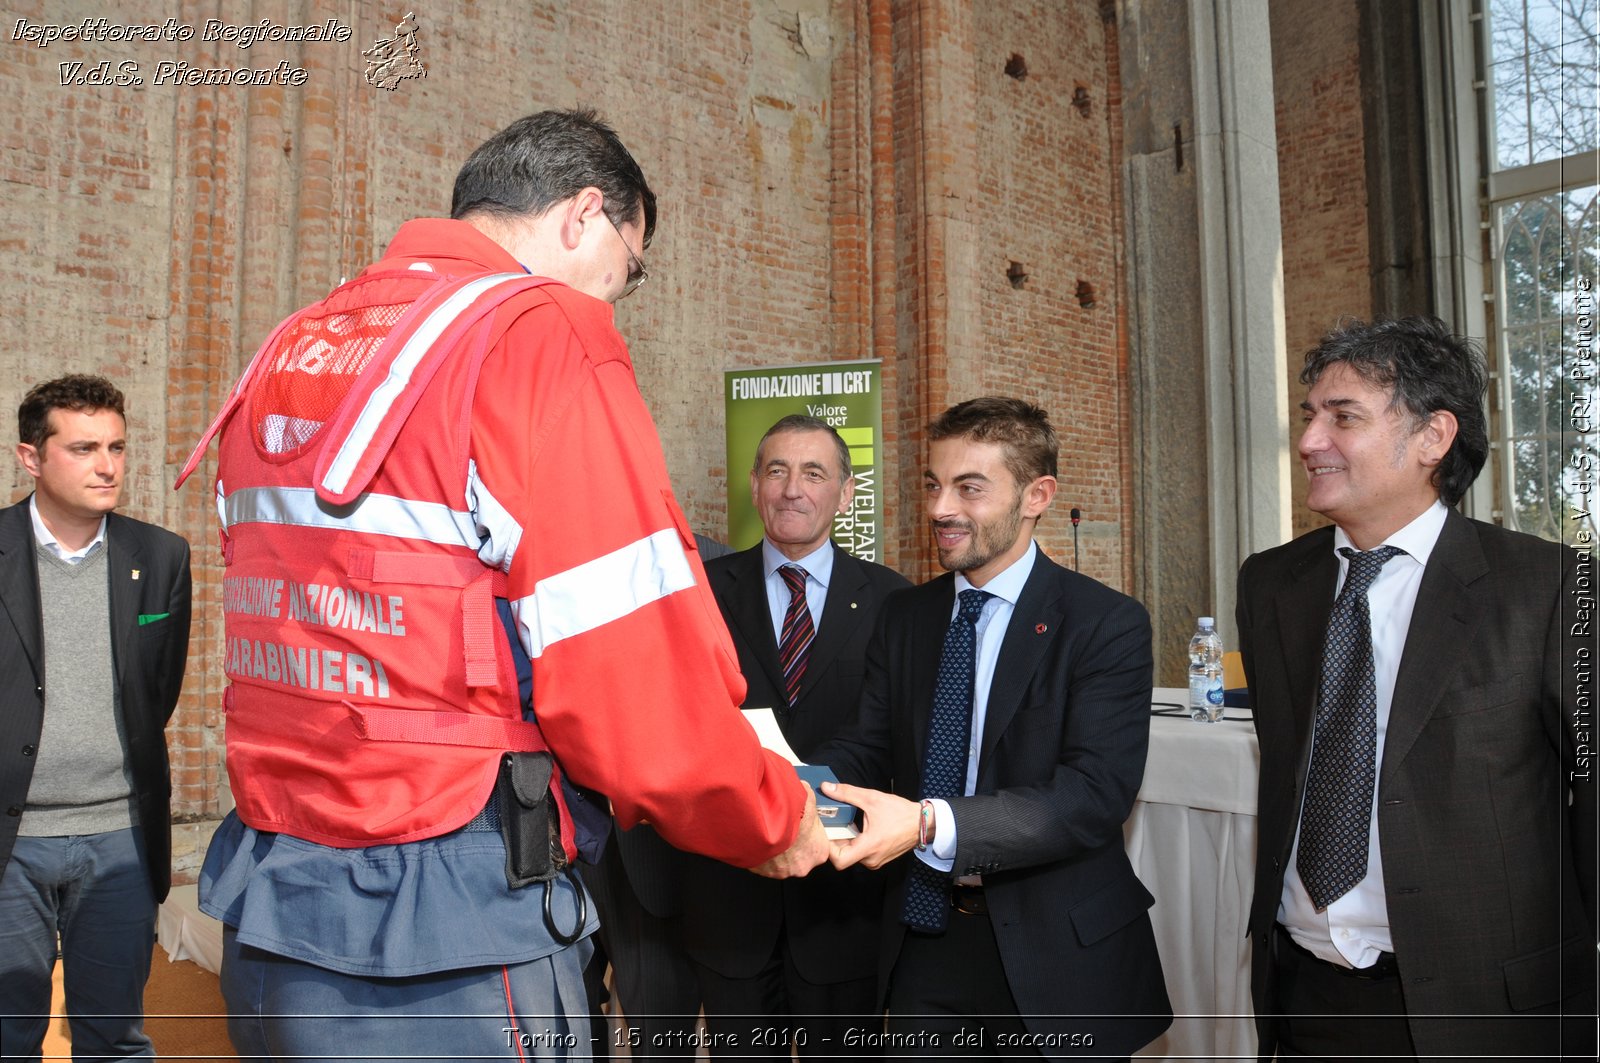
[{"x": 846, "y": 395}]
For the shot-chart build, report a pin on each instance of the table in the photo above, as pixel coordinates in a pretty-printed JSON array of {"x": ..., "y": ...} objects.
[
  {"x": 1192, "y": 840},
  {"x": 186, "y": 932}
]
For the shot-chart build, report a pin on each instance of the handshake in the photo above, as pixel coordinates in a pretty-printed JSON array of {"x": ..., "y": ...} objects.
[{"x": 890, "y": 828}]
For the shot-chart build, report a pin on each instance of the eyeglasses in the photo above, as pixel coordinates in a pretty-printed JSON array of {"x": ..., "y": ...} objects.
[{"x": 636, "y": 270}]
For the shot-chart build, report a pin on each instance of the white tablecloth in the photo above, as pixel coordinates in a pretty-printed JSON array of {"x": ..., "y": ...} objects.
[
  {"x": 1192, "y": 840},
  {"x": 186, "y": 932}
]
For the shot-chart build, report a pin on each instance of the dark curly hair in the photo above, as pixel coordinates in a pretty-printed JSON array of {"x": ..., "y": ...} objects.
[
  {"x": 75, "y": 391},
  {"x": 1426, "y": 368}
]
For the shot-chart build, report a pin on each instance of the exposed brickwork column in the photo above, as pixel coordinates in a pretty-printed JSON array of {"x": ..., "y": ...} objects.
[
  {"x": 206, "y": 210},
  {"x": 1004, "y": 156}
]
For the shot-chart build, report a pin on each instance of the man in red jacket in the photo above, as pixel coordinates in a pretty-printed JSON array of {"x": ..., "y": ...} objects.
[{"x": 440, "y": 472}]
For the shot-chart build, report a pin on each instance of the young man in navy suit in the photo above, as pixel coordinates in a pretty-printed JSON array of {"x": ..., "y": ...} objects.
[{"x": 1003, "y": 728}]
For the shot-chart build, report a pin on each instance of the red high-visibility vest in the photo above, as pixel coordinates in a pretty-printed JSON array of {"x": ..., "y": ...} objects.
[{"x": 371, "y": 694}]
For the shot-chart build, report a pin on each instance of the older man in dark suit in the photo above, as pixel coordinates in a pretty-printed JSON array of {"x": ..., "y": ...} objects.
[
  {"x": 94, "y": 634},
  {"x": 798, "y": 957},
  {"x": 1423, "y": 692},
  {"x": 1007, "y": 710}
]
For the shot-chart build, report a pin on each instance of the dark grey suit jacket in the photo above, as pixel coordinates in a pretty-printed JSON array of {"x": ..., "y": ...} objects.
[
  {"x": 1489, "y": 872},
  {"x": 731, "y": 917},
  {"x": 149, "y": 661},
  {"x": 1061, "y": 759}
]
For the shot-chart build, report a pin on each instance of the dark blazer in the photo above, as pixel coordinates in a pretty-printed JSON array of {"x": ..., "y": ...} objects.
[
  {"x": 1061, "y": 758},
  {"x": 731, "y": 917},
  {"x": 1489, "y": 874},
  {"x": 149, "y": 661}
]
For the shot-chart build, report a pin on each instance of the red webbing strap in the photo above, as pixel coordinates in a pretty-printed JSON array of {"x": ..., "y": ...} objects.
[
  {"x": 479, "y": 622},
  {"x": 432, "y": 727},
  {"x": 480, "y": 634},
  {"x": 419, "y": 570},
  {"x": 376, "y": 409}
]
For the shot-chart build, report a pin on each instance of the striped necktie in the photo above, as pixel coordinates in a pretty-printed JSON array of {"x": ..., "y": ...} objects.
[{"x": 794, "y": 644}]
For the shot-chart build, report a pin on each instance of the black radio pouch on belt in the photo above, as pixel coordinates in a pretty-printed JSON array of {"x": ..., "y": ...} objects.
[{"x": 530, "y": 821}]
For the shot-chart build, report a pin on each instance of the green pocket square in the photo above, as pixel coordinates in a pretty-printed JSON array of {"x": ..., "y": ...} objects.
[{"x": 150, "y": 618}]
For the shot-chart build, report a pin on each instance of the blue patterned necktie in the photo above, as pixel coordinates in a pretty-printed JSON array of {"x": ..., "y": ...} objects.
[
  {"x": 944, "y": 767},
  {"x": 1344, "y": 762},
  {"x": 794, "y": 644}
]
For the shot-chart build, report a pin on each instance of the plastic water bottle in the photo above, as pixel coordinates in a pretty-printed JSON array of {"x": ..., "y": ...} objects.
[{"x": 1205, "y": 672}]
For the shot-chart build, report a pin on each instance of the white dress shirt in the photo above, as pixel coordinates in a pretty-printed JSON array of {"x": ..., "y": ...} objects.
[
  {"x": 47, "y": 539},
  {"x": 819, "y": 570},
  {"x": 1355, "y": 928},
  {"x": 1006, "y": 588}
]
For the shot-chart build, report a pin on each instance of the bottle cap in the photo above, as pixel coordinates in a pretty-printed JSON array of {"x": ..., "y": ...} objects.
[{"x": 1207, "y": 621}]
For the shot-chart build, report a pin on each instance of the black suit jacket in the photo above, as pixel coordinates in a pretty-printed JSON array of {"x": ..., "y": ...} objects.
[
  {"x": 1061, "y": 759},
  {"x": 1489, "y": 873},
  {"x": 731, "y": 917},
  {"x": 149, "y": 661}
]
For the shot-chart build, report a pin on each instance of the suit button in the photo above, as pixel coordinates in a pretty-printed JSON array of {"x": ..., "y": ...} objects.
[
  {"x": 27, "y": 751},
  {"x": 14, "y": 810}
]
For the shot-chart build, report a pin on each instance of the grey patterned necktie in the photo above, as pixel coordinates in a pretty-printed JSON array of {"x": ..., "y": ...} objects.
[
  {"x": 1340, "y": 781},
  {"x": 944, "y": 766}
]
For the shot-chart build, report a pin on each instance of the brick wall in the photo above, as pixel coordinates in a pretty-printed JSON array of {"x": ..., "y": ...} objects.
[
  {"x": 1323, "y": 186},
  {"x": 1045, "y": 190},
  {"x": 838, "y": 178},
  {"x": 1010, "y": 171}
]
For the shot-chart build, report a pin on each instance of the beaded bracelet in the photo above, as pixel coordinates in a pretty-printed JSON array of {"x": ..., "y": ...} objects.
[{"x": 925, "y": 825}]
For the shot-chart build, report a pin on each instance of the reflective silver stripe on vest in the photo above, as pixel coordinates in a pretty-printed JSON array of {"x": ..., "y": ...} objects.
[
  {"x": 593, "y": 594},
  {"x": 372, "y": 514},
  {"x": 383, "y": 397}
]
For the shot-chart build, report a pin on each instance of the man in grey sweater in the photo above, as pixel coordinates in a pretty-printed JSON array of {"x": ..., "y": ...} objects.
[{"x": 94, "y": 634}]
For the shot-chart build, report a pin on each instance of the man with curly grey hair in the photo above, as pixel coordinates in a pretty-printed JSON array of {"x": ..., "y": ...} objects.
[{"x": 1425, "y": 878}]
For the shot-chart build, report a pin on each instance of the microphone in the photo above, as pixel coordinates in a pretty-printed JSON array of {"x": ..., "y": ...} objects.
[{"x": 1077, "y": 515}]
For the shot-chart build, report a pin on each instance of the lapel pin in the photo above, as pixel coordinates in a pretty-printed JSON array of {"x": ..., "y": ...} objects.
[
  {"x": 1040, "y": 629},
  {"x": 852, "y": 605},
  {"x": 135, "y": 573}
]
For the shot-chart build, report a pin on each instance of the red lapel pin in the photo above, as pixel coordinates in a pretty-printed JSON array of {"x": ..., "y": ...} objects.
[{"x": 1040, "y": 629}]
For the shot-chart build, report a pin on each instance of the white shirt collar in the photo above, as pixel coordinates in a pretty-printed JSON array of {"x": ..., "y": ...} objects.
[
  {"x": 1009, "y": 583},
  {"x": 43, "y": 536},
  {"x": 1417, "y": 538},
  {"x": 818, "y": 563}
]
